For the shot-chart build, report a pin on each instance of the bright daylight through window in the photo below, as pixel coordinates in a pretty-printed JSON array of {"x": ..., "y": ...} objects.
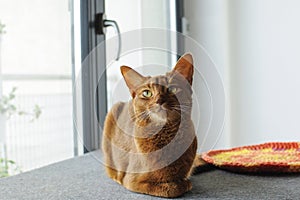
[{"x": 35, "y": 84}]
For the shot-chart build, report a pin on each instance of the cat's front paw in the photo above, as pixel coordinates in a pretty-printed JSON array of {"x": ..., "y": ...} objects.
[{"x": 178, "y": 188}]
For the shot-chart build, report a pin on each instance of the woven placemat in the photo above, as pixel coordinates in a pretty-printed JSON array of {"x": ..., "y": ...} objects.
[{"x": 273, "y": 157}]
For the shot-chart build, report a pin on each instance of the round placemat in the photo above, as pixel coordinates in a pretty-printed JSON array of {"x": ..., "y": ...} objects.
[{"x": 273, "y": 157}]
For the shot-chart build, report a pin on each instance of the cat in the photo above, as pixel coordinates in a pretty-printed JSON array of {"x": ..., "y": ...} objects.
[{"x": 149, "y": 143}]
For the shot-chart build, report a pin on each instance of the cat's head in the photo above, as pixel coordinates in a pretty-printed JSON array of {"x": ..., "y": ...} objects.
[{"x": 161, "y": 99}]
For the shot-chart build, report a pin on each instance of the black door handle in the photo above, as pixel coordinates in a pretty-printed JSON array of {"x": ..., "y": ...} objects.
[{"x": 102, "y": 23}]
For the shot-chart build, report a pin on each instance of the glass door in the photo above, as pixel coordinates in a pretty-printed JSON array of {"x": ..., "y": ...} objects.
[{"x": 36, "y": 104}]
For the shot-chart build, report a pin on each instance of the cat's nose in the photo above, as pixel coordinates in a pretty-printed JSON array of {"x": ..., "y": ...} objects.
[{"x": 160, "y": 100}]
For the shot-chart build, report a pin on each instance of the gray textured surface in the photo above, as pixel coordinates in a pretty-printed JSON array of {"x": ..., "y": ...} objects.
[{"x": 84, "y": 178}]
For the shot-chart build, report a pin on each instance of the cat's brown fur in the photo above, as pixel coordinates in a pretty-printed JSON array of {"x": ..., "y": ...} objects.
[{"x": 149, "y": 143}]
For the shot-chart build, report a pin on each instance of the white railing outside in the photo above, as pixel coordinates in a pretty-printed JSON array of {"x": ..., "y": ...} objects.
[{"x": 48, "y": 139}]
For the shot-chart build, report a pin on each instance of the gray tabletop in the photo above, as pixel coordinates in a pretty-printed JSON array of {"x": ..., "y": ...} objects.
[{"x": 84, "y": 178}]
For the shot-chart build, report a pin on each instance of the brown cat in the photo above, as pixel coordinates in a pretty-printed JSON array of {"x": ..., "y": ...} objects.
[{"x": 149, "y": 143}]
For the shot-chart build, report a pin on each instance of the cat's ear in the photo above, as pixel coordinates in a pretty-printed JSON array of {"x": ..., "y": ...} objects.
[
  {"x": 184, "y": 66},
  {"x": 132, "y": 78}
]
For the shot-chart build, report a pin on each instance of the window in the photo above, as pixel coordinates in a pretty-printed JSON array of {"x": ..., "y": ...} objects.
[{"x": 36, "y": 122}]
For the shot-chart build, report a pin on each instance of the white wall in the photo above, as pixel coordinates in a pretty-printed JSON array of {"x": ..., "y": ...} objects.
[
  {"x": 255, "y": 45},
  {"x": 265, "y": 68}
]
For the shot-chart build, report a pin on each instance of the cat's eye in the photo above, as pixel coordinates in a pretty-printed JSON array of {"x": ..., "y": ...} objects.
[
  {"x": 147, "y": 93},
  {"x": 172, "y": 90}
]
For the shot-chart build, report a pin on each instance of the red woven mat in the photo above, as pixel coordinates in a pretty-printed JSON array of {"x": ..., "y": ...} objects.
[{"x": 275, "y": 157}]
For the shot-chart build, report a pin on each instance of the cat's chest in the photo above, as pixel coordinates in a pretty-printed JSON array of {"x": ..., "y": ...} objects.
[{"x": 161, "y": 139}]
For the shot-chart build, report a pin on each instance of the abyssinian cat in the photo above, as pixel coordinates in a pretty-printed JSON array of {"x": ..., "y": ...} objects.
[{"x": 149, "y": 143}]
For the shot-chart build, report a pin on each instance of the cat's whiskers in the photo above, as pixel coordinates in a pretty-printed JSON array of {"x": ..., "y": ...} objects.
[
  {"x": 182, "y": 108},
  {"x": 144, "y": 115}
]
